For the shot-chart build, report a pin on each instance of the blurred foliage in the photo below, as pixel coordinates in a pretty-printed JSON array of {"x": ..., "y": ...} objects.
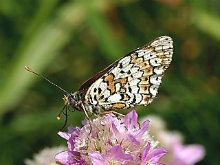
[{"x": 69, "y": 41}]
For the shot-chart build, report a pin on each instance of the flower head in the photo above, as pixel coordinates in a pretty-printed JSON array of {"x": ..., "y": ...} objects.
[
  {"x": 173, "y": 141},
  {"x": 114, "y": 156},
  {"x": 45, "y": 156},
  {"x": 109, "y": 140}
]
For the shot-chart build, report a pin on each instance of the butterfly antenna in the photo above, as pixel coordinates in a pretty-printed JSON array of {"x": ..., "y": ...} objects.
[
  {"x": 64, "y": 111},
  {"x": 30, "y": 70}
]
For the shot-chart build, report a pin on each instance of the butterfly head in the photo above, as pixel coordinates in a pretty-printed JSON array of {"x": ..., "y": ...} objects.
[
  {"x": 66, "y": 100},
  {"x": 71, "y": 100}
]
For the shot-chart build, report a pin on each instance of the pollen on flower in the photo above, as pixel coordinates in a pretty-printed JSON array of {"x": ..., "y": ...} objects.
[{"x": 110, "y": 140}]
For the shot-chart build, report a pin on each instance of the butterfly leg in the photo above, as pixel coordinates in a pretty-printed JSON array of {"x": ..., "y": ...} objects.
[
  {"x": 84, "y": 110},
  {"x": 113, "y": 112},
  {"x": 87, "y": 116}
]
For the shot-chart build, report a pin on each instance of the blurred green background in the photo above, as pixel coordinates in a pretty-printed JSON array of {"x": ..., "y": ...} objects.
[{"x": 68, "y": 41}]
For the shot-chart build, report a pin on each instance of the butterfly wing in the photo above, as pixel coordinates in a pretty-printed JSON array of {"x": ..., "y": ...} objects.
[
  {"x": 134, "y": 79},
  {"x": 90, "y": 81}
]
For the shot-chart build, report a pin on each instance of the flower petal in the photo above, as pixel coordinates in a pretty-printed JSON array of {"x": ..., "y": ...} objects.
[
  {"x": 71, "y": 144},
  {"x": 115, "y": 131},
  {"x": 64, "y": 157},
  {"x": 189, "y": 154},
  {"x": 145, "y": 152},
  {"x": 133, "y": 140},
  {"x": 74, "y": 131},
  {"x": 155, "y": 155},
  {"x": 116, "y": 153},
  {"x": 67, "y": 158},
  {"x": 143, "y": 129},
  {"x": 96, "y": 158},
  {"x": 130, "y": 120},
  {"x": 64, "y": 135}
]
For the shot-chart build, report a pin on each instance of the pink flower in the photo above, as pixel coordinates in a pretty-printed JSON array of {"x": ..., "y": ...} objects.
[
  {"x": 173, "y": 141},
  {"x": 186, "y": 154},
  {"x": 70, "y": 157},
  {"x": 45, "y": 156},
  {"x": 152, "y": 157},
  {"x": 110, "y": 140},
  {"x": 115, "y": 155},
  {"x": 131, "y": 129}
]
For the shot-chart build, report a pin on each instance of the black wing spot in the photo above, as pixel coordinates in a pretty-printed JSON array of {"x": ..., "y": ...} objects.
[
  {"x": 95, "y": 89},
  {"x": 129, "y": 89},
  {"x": 134, "y": 100},
  {"x": 95, "y": 98},
  {"x": 90, "y": 98},
  {"x": 99, "y": 90},
  {"x": 102, "y": 97},
  {"x": 120, "y": 65},
  {"x": 122, "y": 97}
]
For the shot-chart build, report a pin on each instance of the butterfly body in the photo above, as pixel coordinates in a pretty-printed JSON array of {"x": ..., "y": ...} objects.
[{"x": 130, "y": 81}]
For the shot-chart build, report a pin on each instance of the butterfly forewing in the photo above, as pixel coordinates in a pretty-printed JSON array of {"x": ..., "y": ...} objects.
[
  {"x": 90, "y": 81},
  {"x": 132, "y": 80}
]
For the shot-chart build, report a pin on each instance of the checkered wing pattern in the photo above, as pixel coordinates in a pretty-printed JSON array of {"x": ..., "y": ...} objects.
[{"x": 134, "y": 79}]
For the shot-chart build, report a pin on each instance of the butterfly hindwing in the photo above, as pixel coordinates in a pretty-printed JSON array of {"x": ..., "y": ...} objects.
[{"x": 134, "y": 79}]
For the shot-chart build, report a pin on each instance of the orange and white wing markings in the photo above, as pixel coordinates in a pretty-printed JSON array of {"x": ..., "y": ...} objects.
[{"x": 134, "y": 79}]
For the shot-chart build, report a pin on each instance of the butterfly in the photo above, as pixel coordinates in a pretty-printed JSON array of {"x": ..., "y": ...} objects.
[{"x": 128, "y": 82}]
